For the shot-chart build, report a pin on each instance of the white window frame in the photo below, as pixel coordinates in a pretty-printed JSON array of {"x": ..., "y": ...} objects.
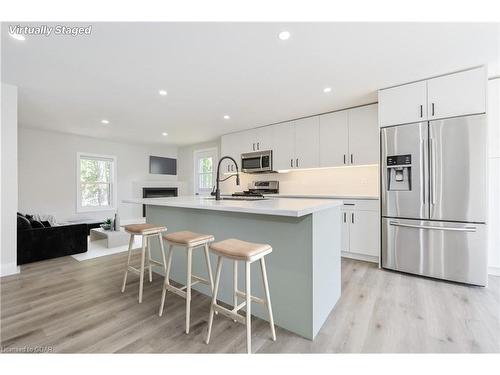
[
  {"x": 113, "y": 184},
  {"x": 215, "y": 150}
]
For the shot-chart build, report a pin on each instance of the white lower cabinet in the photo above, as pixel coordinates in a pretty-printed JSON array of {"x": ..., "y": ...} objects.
[{"x": 361, "y": 230}]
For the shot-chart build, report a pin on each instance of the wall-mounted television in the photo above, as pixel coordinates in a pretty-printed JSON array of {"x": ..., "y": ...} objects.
[{"x": 159, "y": 165}]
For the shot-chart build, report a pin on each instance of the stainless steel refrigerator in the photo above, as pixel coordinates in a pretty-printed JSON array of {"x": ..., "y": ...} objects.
[{"x": 433, "y": 181}]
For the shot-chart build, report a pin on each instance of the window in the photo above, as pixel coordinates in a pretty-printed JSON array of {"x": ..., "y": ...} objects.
[
  {"x": 205, "y": 169},
  {"x": 96, "y": 182}
]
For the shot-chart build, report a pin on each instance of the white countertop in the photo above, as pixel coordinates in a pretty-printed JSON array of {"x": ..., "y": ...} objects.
[
  {"x": 323, "y": 196},
  {"x": 276, "y": 206}
]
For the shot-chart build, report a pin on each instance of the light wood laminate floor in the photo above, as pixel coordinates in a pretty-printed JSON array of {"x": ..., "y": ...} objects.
[{"x": 73, "y": 306}]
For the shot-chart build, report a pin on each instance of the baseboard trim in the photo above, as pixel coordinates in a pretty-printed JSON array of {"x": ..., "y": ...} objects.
[
  {"x": 366, "y": 258},
  {"x": 9, "y": 269},
  {"x": 494, "y": 270}
]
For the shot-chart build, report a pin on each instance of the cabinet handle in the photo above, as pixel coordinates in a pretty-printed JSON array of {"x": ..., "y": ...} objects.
[
  {"x": 432, "y": 105},
  {"x": 352, "y": 160},
  {"x": 344, "y": 158},
  {"x": 421, "y": 111},
  {"x": 291, "y": 163},
  {"x": 352, "y": 217},
  {"x": 297, "y": 162},
  {"x": 344, "y": 217}
]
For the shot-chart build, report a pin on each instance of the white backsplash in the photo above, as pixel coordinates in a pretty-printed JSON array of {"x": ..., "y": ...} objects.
[{"x": 362, "y": 180}]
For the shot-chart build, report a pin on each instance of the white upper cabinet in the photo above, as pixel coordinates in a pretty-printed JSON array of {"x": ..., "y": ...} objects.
[
  {"x": 494, "y": 118},
  {"x": 403, "y": 104},
  {"x": 334, "y": 138},
  {"x": 457, "y": 94},
  {"x": 283, "y": 145},
  {"x": 307, "y": 143},
  {"x": 363, "y": 135},
  {"x": 231, "y": 145}
]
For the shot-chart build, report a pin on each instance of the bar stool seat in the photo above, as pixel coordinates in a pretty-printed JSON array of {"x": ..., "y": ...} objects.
[
  {"x": 187, "y": 238},
  {"x": 145, "y": 228},
  {"x": 247, "y": 252},
  {"x": 240, "y": 250},
  {"x": 147, "y": 231}
]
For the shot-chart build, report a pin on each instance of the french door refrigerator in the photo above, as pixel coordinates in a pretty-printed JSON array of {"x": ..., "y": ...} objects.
[{"x": 433, "y": 190}]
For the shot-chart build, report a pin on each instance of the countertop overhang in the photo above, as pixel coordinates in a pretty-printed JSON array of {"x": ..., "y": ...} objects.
[{"x": 274, "y": 206}]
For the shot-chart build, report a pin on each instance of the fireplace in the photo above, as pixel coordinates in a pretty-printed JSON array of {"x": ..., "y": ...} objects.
[{"x": 157, "y": 192}]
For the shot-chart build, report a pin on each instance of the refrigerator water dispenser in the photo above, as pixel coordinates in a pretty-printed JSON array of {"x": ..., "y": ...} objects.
[{"x": 399, "y": 173}]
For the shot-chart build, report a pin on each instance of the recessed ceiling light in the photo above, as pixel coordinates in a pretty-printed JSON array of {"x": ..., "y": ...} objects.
[
  {"x": 327, "y": 90},
  {"x": 226, "y": 117},
  {"x": 162, "y": 92},
  {"x": 284, "y": 35},
  {"x": 105, "y": 122},
  {"x": 164, "y": 134},
  {"x": 18, "y": 36}
]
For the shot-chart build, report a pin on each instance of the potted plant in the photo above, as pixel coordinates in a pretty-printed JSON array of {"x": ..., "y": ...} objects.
[{"x": 108, "y": 224}]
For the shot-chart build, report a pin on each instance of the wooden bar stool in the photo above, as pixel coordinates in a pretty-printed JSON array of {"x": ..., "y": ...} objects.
[
  {"x": 147, "y": 231},
  {"x": 190, "y": 241},
  {"x": 246, "y": 252}
]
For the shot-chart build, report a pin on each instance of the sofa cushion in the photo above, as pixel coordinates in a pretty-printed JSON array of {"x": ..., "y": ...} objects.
[
  {"x": 23, "y": 223},
  {"x": 46, "y": 224},
  {"x": 36, "y": 224}
]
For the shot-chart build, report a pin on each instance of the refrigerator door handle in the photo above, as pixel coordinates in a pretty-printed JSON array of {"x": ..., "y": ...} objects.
[
  {"x": 422, "y": 171},
  {"x": 463, "y": 229},
  {"x": 432, "y": 174}
]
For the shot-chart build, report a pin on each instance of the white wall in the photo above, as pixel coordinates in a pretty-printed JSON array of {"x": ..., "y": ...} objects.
[
  {"x": 185, "y": 165},
  {"x": 494, "y": 176},
  {"x": 8, "y": 141},
  {"x": 47, "y": 172}
]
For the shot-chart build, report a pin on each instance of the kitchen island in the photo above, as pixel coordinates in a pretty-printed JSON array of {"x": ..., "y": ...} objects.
[{"x": 303, "y": 269}]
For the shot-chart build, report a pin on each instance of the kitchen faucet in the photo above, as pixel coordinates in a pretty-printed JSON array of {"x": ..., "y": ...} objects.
[{"x": 217, "y": 190}]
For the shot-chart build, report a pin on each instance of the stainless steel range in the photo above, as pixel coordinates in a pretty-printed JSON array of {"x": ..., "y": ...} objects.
[
  {"x": 257, "y": 189},
  {"x": 433, "y": 181}
]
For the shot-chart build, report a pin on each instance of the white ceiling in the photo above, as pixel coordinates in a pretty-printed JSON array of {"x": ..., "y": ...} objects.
[{"x": 69, "y": 84}]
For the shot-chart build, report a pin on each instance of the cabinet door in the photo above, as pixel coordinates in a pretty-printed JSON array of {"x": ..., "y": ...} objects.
[
  {"x": 231, "y": 145},
  {"x": 344, "y": 234},
  {"x": 494, "y": 118},
  {"x": 248, "y": 140},
  {"x": 264, "y": 138},
  {"x": 494, "y": 212},
  {"x": 307, "y": 143},
  {"x": 457, "y": 94},
  {"x": 403, "y": 104},
  {"x": 283, "y": 140},
  {"x": 333, "y": 139},
  {"x": 363, "y": 135},
  {"x": 364, "y": 232}
]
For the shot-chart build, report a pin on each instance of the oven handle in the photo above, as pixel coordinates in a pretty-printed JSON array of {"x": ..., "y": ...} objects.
[{"x": 464, "y": 229}]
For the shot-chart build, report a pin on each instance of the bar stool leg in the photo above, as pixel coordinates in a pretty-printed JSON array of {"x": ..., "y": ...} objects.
[
  {"x": 149, "y": 259},
  {"x": 248, "y": 307},
  {"x": 235, "y": 284},
  {"x": 162, "y": 253},
  {"x": 214, "y": 298},
  {"x": 141, "y": 276},
  {"x": 209, "y": 268},
  {"x": 167, "y": 280},
  {"x": 268, "y": 297},
  {"x": 130, "y": 244},
  {"x": 188, "y": 287}
]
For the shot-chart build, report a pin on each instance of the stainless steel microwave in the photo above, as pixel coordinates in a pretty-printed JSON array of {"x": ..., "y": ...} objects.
[{"x": 257, "y": 162}]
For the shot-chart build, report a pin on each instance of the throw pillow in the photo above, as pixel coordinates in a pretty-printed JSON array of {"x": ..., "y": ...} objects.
[
  {"x": 36, "y": 224},
  {"x": 23, "y": 223}
]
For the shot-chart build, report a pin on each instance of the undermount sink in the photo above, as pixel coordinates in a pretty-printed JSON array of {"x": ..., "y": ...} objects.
[{"x": 238, "y": 199}]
